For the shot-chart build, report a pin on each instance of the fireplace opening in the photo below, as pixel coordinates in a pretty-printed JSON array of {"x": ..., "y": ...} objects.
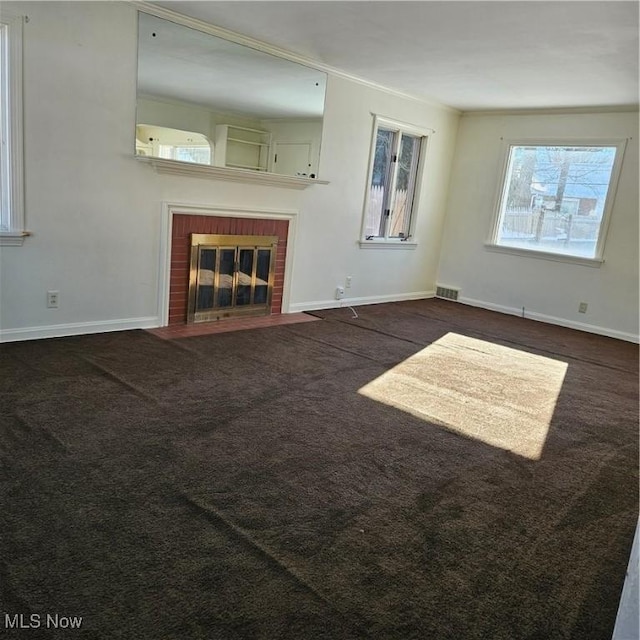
[
  {"x": 185, "y": 225},
  {"x": 230, "y": 275}
]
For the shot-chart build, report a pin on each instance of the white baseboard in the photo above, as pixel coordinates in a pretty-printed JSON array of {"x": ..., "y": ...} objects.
[
  {"x": 298, "y": 307},
  {"x": 541, "y": 317},
  {"x": 77, "y": 328}
]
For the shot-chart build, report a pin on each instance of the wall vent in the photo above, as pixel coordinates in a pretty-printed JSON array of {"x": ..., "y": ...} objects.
[{"x": 447, "y": 293}]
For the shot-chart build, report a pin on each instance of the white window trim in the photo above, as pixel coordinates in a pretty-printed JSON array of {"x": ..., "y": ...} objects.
[
  {"x": 389, "y": 243},
  {"x": 598, "y": 259},
  {"x": 411, "y": 241},
  {"x": 12, "y": 173}
]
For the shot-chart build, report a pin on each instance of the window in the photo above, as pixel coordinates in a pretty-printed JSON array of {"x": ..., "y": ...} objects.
[
  {"x": 11, "y": 168},
  {"x": 394, "y": 173},
  {"x": 200, "y": 154},
  {"x": 172, "y": 144},
  {"x": 556, "y": 198}
]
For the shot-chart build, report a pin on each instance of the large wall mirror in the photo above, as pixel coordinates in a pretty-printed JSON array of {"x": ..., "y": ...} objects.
[{"x": 208, "y": 100}]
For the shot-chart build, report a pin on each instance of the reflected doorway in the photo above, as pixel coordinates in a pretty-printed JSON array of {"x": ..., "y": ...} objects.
[{"x": 292, "y": 158}]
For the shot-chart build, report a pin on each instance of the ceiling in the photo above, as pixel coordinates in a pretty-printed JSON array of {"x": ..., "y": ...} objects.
[{"x": 469, "y": 55}]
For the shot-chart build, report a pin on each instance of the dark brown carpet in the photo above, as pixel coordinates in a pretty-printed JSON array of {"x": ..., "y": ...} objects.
[{"x": 425, "y": 471}]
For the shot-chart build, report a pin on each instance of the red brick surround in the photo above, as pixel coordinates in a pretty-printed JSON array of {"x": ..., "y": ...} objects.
[{"x": 184, "y": 225}]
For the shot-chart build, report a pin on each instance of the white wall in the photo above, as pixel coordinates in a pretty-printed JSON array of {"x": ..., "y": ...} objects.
[
  {"x": 329, "y": 250},
  {"x": 96, "y": 212},
  {"x": 627, "y": 625},
  {"x": 174, "y": 115},
  {"x": 83, "y": 202},
  {"x": 189, "y": 117},
  {"x": 548, "y": 290}
]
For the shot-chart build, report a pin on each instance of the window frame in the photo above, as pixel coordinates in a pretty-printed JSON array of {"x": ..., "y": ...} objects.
[
  {"x": 398, "y": 127},
  {"x": 502, "y": 189},
  {"x": 174, "y": 149},
  {"x": 12, "y": 230}
]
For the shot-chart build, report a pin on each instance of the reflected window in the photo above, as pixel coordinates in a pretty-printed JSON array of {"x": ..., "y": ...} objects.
[
  {"x": 191, "y": 153},
  {"x": 173, "y": 144}
]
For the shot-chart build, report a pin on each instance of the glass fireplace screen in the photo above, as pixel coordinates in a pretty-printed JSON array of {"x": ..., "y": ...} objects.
[{"x": 230, "y": 275}]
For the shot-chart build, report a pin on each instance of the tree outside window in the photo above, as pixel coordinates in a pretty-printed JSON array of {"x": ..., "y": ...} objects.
[
  {"x": 391, "y": 195},
  {"x": 556, "y": 198}
]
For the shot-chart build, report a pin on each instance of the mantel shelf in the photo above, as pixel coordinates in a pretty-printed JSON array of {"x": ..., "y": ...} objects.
[{"x": 176, "y": 167}]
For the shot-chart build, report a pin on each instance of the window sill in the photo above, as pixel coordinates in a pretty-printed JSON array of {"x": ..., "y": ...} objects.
[
  {"x": 176, "y": 167},
  {"x": 545, "y": 255},
  {"x": 388, "y": 244},
  {"x": 12, "y": 238}
]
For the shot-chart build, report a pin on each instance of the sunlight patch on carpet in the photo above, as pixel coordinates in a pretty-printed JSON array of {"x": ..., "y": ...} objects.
[{"x": 501, "y": 396}]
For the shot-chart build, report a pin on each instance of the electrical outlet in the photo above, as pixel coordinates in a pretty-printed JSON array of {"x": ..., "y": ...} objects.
[
  {"x": 582, "y": 307},
  {"x": 339, "y": 293},
  {"x": 53, "y": 299},
  {"x": 347, "y": 282}
]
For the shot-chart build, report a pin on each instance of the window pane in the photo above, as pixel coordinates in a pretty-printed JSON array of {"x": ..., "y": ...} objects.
[
  {"x": 225, "y": 277},
  {"x": 4, "y": 146},
  {"x": 11, "y": 121},
  {"x": 262, "y": 276},
  {"x": 404, "y": 187},
  {"x": 201, "y": 155},
  {"x": 206, "y": 274},
  {"x": 554, "y": 198},
  {"x": 393, "y": 181},
  {"x": 245, "y": 274},
  {"x": 165, "y": 151},
  {"x": 379, "y": 192}
]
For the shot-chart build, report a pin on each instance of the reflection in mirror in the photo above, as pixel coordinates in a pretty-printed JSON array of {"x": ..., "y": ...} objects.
[
  {"x": 209, "y": 100},
  {"x": 172, "y": 144}
]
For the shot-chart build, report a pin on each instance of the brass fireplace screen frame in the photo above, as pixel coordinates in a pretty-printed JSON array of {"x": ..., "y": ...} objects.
[{"x": 218, "y": 285}]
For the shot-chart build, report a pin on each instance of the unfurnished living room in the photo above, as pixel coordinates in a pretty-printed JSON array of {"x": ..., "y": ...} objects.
[{"x": 319, "y": 320}]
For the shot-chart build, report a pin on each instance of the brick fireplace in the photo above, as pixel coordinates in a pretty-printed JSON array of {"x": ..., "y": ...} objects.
[{"x": 186, "y": 224}]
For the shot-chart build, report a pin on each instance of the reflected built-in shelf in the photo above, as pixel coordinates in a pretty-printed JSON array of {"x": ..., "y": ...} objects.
[{"x": 176, "y": 167}]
